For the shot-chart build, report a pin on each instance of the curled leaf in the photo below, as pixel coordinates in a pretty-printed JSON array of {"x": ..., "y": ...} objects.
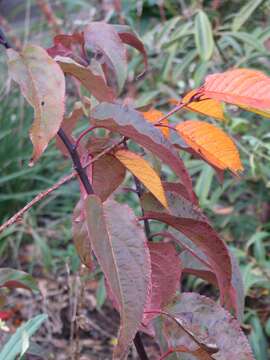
[
  {"x": 103, "y": 40},
  {"x": 92, "y": 81},
  {"x": 212, "y": 144},
  {"x": 42, "y": 83},
  {"x": 128, "y": 37},
  {"x": 144, "y": 172}
]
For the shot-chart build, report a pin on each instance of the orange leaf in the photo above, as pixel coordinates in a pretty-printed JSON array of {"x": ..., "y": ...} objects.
[
  {"x": 153, "y": 116},
  {"x": 205, "y": 106},
  {"x": 144, "y": 172},
  {"x": 212, "y": 144},
  {"x": 208, "y": 107},
  {"x": 244, "y": 87}
]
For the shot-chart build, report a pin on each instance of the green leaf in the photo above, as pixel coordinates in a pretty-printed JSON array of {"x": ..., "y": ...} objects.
[
  {"x": 11, "y": 278},
  {"x": 244, "y": 14},
  {"x": 203, "y": 36},
  {"x": 15, "y": 344}
]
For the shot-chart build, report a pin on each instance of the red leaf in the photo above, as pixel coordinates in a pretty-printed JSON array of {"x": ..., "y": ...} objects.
[
  {"x": 71, "y": 46},
  {"x": 120, "y": 246},
  {"x": 130, "y": 38},
  {"x": 244, "y": 87},
  {"x": 195, "y": 262},
  {"x": 92, "y": 80},
  {"x": 210, "y": 324},
  {"x": 189, "y": 220},
  {"x": 166, "y": 270},
  {"x": 130, "y": 123},
  {"x": 107, "y": 174}
]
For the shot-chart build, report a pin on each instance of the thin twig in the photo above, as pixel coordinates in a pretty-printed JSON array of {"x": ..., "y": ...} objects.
[
  {"x": 173, "y": 111},
  {"x": 16, "y": 217},
  {"x": 82, "y": 134}
]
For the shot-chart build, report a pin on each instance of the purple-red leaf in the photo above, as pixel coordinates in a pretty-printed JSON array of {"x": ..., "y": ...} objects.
[
  {"x": 166, "y": 270},
  {"x": 103, "y": 40},
  {"x": 107, "y": 174},
  {"x": 130, "y": 38},
  {"x": 120, "y": 246},
  {"x": 189, "y": 220},
  {"x": 92, "y": 80},
  {"x": 209, "y": 325},
  {"x": 195, "y": 262},
  {"x": 71, "y": 46},
  {"x": 131, "y": 124}
]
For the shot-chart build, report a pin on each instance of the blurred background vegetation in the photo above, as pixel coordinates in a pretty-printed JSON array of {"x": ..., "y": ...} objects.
[{"x": 238, "y": 208}]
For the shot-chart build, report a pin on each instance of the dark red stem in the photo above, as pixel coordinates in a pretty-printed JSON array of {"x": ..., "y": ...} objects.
[{"x": 76, "y": 161}]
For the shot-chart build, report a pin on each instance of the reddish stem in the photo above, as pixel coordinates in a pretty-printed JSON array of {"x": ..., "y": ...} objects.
[
  {"x": 85, "y": 132},
  {"x": 166, "y": 126},
  {"x": 173, "y": 111}
]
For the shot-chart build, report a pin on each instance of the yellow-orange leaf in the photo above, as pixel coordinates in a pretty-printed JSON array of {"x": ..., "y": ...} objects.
[
  {"x": 208, "y": 107},
  {"x": 144, "y": 172},
  {"x": 244, "y": 87},
  {"x": 205, "y": 106},
  {"x": 153, "y": 116},
  {"x": 213, "y": 144}
]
